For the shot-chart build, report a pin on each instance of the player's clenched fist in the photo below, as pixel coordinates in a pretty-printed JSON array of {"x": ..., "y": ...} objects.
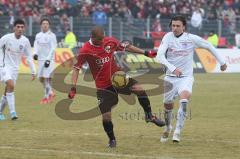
[
  {"x": 150, "y": 53},
  {"x": 72, "y": 93},
  {"x": 223, "y": 67},
  {"x": 46, "y": 63},
  {"x": 35, "y": 57}
]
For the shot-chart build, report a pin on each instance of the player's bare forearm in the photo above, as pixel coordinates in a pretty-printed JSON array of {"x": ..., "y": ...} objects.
[
  {"x": 149, "y": 53},
  {"x": 75, "y": 74},
  {"x": 135, "y": 49}
]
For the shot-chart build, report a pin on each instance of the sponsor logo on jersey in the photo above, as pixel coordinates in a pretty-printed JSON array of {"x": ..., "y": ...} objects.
[
  {"x": 107, "y": 49},
  {"x": 184, "y": 45},
  {"x": 102, "y": 61}
]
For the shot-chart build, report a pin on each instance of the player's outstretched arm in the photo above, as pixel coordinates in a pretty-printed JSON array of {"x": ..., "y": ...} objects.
[
  {"x": 200, "y": 42},
  {"x": 149, "y": 53}
]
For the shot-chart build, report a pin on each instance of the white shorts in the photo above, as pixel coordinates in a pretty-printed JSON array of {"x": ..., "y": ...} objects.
[
  {"x": 173, "y": 86},
  {"x": 8, "y": 74},
  {"x": 45, "y": 72}
]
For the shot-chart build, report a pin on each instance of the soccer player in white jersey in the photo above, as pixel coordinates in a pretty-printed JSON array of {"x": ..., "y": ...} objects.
[
  {"x": 12, "y": 47},
  {"x": 176, "y": 53},
  {"x": 44, "y": 50}
]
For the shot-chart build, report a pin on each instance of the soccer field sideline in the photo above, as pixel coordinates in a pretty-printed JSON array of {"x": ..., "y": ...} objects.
[{"x": 80, "y": 152}]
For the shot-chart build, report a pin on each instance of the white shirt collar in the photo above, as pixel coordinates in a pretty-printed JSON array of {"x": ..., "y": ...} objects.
[{"x": 47, "y": 32}]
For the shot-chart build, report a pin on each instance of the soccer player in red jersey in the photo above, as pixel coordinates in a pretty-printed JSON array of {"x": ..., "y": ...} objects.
[{"x": 99, "y": 53}]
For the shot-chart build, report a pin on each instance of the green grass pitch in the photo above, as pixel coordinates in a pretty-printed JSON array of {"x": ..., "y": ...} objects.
[{"x": 211, "y": 132}]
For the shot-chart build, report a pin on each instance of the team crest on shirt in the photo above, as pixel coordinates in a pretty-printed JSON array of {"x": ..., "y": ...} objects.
[
  {"x": 20, "y": 47},
  {"x": 107, "y": 49}
]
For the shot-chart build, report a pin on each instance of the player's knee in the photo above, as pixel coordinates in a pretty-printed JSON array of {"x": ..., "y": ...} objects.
[
  {"x": 168, "y": 105},
  {"x": 41, "y": 79},
  {"x": 106, "y": 117},
  {"x": 10, "y": 86},
  {"x": 138, "y": 90},
  {"x": 185, "y": 95}
]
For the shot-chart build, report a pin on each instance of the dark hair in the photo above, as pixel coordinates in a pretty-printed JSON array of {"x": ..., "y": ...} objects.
[
  {"x": 45, "y": 19},
  {"x": 18, "y": 21},
  {"x": 180, "y": 18}
]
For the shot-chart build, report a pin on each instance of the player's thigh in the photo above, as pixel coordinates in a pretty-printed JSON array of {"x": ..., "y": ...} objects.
[
  {"x": 129, "y": 88},
  {"x": 107, "y": 116},
  {"x": 185, "y": 87},
  {"x": 45, "y": 72},
  {"x": 107, "y": 98},
  {"x": 40, "y": 68},
  {"x": 4, "y": 76},
  {"x": 14, "y": 75},
  {"x": 170, "y": 89},
  {"x": 7, "y": 74}
]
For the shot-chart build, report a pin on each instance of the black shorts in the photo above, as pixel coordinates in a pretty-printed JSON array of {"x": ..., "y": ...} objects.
[{"x": 108, "y": 97}]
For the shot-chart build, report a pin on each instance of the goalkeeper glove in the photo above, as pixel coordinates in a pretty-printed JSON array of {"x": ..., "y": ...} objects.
[
  {"x": 150, "y": 53},
  {"x": 35, "y": 57},
  {"x": 72, "y": 93},
  {"x": 47, "y": 63}
]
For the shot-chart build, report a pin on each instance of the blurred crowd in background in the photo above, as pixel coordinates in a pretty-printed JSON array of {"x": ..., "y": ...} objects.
[
  {"x": 210, "y": 9},
  {"x": 196, "y": 11}
]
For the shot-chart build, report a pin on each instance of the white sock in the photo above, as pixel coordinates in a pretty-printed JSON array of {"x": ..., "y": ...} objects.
[
  {"x": 3, "y": 103},
  {"x": 168, "y": 118},
  {"x": 11, "y": 101},
  {"x": 45, "y": 89},
  {"x": 48, "y": 89},
  {"x": 181, "y": 115}
]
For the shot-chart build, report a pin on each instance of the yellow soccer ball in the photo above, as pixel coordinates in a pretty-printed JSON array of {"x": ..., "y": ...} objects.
[{"x": 120, "y": 79}]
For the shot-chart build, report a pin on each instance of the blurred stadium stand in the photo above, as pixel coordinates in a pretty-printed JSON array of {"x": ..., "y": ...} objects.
[{"x": 126, "y": 19}]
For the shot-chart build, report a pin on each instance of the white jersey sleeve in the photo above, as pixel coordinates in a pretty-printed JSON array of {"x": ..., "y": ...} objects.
[
  {"x": 35, "y": 45},
  {"x": 28, "y": 54},
  {"x": 53, "y": 46},
  {"x": 201, "y": 43},
  {"x": 161, "y": 54},
  {"x": 2, "y": 51}
]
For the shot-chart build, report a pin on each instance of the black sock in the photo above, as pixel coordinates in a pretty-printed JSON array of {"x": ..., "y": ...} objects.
[
  {"x": 108, "y": 127},
  {"x": 144, "y": 102}
]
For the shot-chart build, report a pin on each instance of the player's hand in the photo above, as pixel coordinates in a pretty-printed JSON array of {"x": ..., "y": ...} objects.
[
  {"x": 72, "y": 93},
  {"x": 47, "y": 63},
  {"x": 35, "y": 57},
  {"x": 223, "y": 67},
  {"x": 33, "y": 77},
  {"x": 177, "y": 72},
  {"x": 150, "y": 53}
]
